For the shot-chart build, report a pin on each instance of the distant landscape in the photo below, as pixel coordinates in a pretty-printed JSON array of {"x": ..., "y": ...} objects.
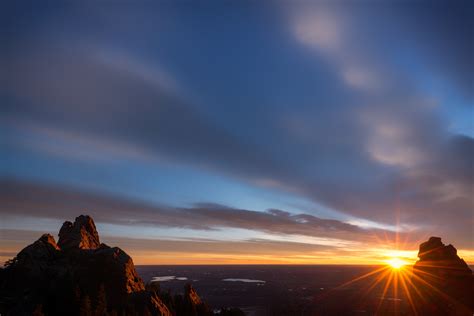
[{"x": 286, "y": 289}]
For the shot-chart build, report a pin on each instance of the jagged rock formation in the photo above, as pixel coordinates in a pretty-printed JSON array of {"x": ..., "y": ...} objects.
[
  {"x": 81, "y": 276},
  {"x": 445, "y": 282},
  {"x": 81, "y": 234}
]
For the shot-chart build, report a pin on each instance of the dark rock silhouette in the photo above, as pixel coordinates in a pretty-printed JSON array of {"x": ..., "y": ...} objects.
[
  {"x": 37, "y": 256},
  {"x": 445, "y": 281},
  {"x": 81, "y": 276}
]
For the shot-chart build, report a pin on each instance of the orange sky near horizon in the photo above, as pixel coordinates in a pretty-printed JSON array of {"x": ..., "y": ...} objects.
[
  {"x": 174, "y": 252},
  {"x": 222, "y": 259}
]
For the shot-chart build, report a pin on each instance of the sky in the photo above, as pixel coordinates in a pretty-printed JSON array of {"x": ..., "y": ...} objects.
[{"x": 218, "y": 132}]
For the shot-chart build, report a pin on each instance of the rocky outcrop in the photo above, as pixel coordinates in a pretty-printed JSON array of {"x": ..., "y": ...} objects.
[
  {"x": 444, "y": 280},
  {"x": 191, "y": 295},
  {"x": 434, "y": 250},
  {"x": 81, "y": 234},
  {"x": 78, "y": 274}
]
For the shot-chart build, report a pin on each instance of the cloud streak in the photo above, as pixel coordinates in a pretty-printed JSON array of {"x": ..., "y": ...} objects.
[{"x": 33, "y": 200}]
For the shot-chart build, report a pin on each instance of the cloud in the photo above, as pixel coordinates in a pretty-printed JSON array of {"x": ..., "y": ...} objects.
[
  {"x": 319, "y": 29},
  {"x": 398, "y": 130},
  {"x": 373, "y": 48},
  {"x": 329, "y": 30},
  {"x": 90, "y": 97},
  {"x": 104, "y": 112},
  {"x": 360, "y": 78},
  {"x": 391, "y": 143},
  {"x": 33, "y": 200},
  {"x": 146, "y": 70}
]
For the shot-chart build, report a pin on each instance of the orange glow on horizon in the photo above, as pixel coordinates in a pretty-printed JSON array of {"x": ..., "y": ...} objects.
[{"x": 371, "y": 256}]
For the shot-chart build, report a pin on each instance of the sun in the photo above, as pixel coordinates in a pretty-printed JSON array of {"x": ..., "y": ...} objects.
[{"x": 396, "y": 263}]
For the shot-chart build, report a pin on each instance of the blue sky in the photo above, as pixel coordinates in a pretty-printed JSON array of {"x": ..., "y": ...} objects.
[{"x": 355, "y": 113}]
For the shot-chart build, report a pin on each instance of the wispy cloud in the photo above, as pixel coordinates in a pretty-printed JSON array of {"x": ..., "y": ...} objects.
[{"x": 25, "y": 199}]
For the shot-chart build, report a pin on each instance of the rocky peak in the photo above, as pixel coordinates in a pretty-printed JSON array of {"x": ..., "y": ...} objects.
[
  {"x": 45, "y": 245},
  {"x": 434, "y": 250},
  {"x": 431, "y": 249},
  {"x": 36, "y": 257},
  {"x": 48, "y": 241},
  {"x": 82, "y": 234}
]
